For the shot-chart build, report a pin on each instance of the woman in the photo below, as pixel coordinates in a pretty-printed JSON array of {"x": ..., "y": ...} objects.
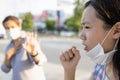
[
  {"x": 100, "y": 36},
  {"x": 23, "y": 54}
]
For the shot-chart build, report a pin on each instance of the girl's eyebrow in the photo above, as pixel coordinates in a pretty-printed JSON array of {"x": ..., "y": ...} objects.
[{"x": 85, "y": 22}]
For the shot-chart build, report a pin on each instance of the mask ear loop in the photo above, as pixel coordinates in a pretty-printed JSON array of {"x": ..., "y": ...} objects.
[
  {"x": 116, "y": 44},
  {"x": 106, "y": 36}
]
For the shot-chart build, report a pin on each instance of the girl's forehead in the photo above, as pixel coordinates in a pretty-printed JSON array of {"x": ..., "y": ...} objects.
[
  {"x": 89, "y": 14},
  {"x": 89, "y": 17}
]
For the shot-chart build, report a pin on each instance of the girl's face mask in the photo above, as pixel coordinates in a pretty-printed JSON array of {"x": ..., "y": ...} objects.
[
  {"x": 14, "y": 33},
  {"x": 98, "y": 55}
]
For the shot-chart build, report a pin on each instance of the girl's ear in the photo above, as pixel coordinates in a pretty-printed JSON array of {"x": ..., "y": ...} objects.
[{"x": 116, "y": 30}]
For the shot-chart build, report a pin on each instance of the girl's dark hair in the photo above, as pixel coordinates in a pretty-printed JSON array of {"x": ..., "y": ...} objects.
[
  {"x": 109, "y": 12},
  {"x": 13, "y": 18}
]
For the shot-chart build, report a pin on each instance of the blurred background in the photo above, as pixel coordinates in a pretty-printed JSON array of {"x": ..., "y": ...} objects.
[
  {"x": 60, "y": 17},
  {"x": 57, "y": 23}
]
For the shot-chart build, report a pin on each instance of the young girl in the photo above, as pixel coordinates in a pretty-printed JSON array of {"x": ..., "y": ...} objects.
[
  {"x": 23, "y": 54},
  {"x": 100, "y": 35}
]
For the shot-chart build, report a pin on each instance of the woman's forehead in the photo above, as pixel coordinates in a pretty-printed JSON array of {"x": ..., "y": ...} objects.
[{"x": 9, "y": 24}]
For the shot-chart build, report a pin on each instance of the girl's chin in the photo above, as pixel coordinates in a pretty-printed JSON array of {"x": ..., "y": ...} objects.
[{"x": 86, "y": 49}]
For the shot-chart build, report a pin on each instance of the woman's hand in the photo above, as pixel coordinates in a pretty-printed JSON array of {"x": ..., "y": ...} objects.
[
  {"x": 70, "y": 58},
  {"x": 15, "y": 48},
  {"x": 30, "y": 44},
  {"x": 12, "y": 51}
]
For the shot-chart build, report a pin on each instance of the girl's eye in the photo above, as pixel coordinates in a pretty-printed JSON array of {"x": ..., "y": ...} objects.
[{"x": 87, "y": 27}]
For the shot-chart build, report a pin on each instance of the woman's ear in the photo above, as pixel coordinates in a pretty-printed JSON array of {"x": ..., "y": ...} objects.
[
  {"x": 20, "y": 26},
  {"x": 116, "y": 34}
]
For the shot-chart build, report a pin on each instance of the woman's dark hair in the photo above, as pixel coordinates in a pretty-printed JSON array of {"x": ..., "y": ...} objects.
[
  {"x": 13, "y": 18},
  {"x": 109, "y": 12}
]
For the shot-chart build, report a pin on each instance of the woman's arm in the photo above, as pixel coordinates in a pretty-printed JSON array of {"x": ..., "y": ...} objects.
[
  {"x": 33, "y": 48},
  {"x": 8, "y": 56},
  {"x": 6, "y": 66},
  {"x": 39, "y": 57}
]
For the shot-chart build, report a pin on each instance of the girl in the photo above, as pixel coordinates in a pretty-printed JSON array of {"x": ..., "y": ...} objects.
[{"x": 100, "y": 36}]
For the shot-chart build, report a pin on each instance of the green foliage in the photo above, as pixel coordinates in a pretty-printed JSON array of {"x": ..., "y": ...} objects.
[
  {"x": 73, "y": 22},
  {"x": 50, "y": 24},
  {"x": 27, "y": 22}
]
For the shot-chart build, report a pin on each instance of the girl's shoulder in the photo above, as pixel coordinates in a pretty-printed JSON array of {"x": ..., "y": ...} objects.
[
  {"x": 110, "y": 72},
  {"x": 99, "y": 72}
]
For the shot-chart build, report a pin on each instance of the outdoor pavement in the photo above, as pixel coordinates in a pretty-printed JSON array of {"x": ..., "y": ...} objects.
[{"x": 52, "y": 47}]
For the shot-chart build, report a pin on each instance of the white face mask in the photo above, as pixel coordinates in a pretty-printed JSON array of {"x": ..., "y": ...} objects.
[
  {"x": 98, "y": 55},
  {"x": 15, "y": 33}
]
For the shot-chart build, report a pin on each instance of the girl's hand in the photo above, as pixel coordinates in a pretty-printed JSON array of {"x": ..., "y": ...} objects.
[{"x": 70, "y": 58}]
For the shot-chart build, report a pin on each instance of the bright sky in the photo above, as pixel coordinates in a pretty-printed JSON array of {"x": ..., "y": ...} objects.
[{"x": 8, "y": 7}]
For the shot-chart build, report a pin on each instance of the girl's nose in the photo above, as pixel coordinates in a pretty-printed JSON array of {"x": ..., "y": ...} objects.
[{"x": 82, "y": 35}]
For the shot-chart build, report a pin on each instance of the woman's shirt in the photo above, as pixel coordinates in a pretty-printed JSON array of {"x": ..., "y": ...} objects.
[{"x": 23, "y": 65}]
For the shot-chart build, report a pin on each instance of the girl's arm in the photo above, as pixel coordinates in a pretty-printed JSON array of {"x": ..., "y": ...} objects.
[{"x": 69, "y": 60}]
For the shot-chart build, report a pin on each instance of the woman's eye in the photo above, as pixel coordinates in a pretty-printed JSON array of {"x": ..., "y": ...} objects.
[{"x": 12, "y": 26}]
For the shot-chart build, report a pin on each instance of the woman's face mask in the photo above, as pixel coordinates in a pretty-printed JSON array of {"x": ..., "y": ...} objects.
[{"x": 14, "y": 33}]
